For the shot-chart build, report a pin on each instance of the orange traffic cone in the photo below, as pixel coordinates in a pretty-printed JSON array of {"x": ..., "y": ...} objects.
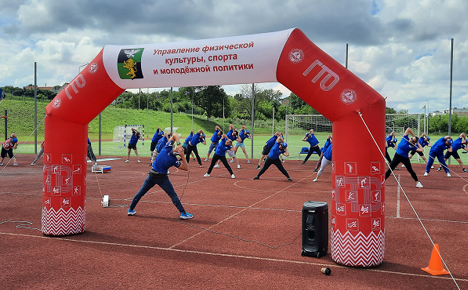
[{"x": 435, "y": 264}]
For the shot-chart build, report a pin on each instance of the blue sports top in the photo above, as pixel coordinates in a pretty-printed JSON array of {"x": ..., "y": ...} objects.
[
  {"x": 133, "y": 139},
  {"x": 456, "y": 145},
  {"x": 222, "y": 147},
  {"x": 389, "y": 141},
  {"x": 197, "y": 138},
  {"x": 328, "y": 153},
  {"x": 166, "y": 159},
  {"x": 275, "y": 151},
  {"x": 312, "y": 140},
  {"x": 230, "y": 136},
  {"x": 243, "y": 135},
  {"x": 161, "y": 143},
  {"x": 439, "y": 147},
  {"x": 157, "y": 136},
  {"x": 271, "y": 141},
  {"x": 189, "y": 137},
  {"x": 324, "y": 148},
  {"x": 215, "y": 138},
  {"x": 405, "y": 146},
  {"x": 423, "y": 142}
]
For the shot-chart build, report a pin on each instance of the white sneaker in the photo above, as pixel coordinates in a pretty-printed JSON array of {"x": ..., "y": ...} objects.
[
  {"x": 403, "y": 165},
  {"x": 168, "y": 172},
  {"x": 432, "y": 167},
  {"x": 248, "y": 161},
  {"x": 233, "y": 176},
  {"x": 238, "y": 165},
  {"x": 126, "y": 161},
  {"x": 15, "y": 164},
  {"x": 216, "y": 166},
  {"x": 231, "y": 161},
  {"x": 139, "y": 161},
  {"x": 426, "y": 174},
  {"x": 448, "y": 174},
  {"x": 206, "y": 159},
  {"x": 206, "y": 175},
  {"x": 34, "y": 163},
  {"x": 419, "y": 185},
  {"x": 315, "y": 179}
]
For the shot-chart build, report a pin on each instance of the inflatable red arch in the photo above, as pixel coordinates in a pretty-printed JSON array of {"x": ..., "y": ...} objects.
[{"x": 288, "y": 57}]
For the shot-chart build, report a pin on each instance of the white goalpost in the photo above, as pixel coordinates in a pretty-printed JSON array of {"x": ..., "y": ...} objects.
[{"x": 123, "y": 133}]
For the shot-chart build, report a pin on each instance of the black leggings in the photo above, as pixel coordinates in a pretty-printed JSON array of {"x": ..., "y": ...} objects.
[
  {"x": 316, "y": 149},
  {"x": 223, "y": 159},
  {"x": 193, "y": 149},
  {"x": 397, "y": 159},
  {"x": 276, "y": 162},
  {"x": 387, "y": 156}
]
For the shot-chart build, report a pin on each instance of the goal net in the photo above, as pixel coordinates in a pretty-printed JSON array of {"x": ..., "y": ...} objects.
[{"x": 123, "y": 133}]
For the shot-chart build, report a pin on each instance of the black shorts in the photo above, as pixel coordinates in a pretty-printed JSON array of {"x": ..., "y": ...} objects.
[
  {"x": 412, "y": 152},
  {"x": 266, "y": 150},
  {"x": 454, "y": 154},
  {"x": 153, "y": 146},
  {"x": 132, "y": 146},
  {"x": 5, "y": 152}
]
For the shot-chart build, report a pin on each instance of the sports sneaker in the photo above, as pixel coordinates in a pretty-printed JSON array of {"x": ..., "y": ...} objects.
[
  {"x": 131, "y": 212},
  {"x": 185, "y": 216},
  {"x": 258, "y": 167},
  {"x": 231, "y": 161},
  {"x": 206, "y": 175},
  {"x": 303, "y": 162},
  {"x": 216, "y": 166},
  {"x": 464, "y": 170},
  {"x": 139, "y": 161},
  {"x": 289, "y": 179},
  {"x": 238, "y": 165},
  {"x": 315, "y": 179},
  {"x": 34, "y": 163},
  {"x": 168, "y": 172},
  {"x": 233, "y": 176},
  {"x": 448, "y": 175},
  {"x": 1, "y": 163},
  {"x": 439, "y": 169},
  {"x": 396, "y": 168},
  {"x": 403, "y": 166},
  {"x": 95, "y": 163},
  {"x": 256, "y": 178},
  {"x": 426, "y": 174},
  {"x": 126, "y": 161},
  {"x": 432, "y": 167},
  {"x": 248, "y": 161},
  {"x": 419, "y": 185},
  {"x": 315, "y": 170},
  {"x": 15, "y": 164},
  {"x": 206, "y": 159}
]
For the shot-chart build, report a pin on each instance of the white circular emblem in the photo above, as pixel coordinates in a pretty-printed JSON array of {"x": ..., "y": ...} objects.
[
  {"x": 57, "y": 103},
  {"x": 296, "y": 55},
  {"x": 93, "y": 68},
  {"x": 348, "y": 96}
]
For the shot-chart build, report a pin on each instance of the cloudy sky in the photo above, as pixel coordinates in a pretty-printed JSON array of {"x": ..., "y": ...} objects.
[{"x": 400, "y": 47}]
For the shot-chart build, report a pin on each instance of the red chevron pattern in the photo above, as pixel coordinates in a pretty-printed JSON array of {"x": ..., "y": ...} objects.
[
  {"x": 63, "y": 222},
  {"x": 359, "y": 250}
]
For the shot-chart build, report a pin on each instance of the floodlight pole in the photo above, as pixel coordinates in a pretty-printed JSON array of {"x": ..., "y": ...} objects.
[
  {"x": 223, "y": 113},
  {"x": 171, "y": 110},
  {"x": 35, "y": 108},
  {"x": 346, "y": 60},
  {"x": 450, "y": 106},
  {"x": 273, "y": 123},
  {"x": 253, "y": 118}
]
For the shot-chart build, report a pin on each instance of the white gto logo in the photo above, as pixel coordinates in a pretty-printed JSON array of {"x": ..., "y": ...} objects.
[
  {"x": 296, "y": 55},
  {"x": 348, "y": 96}
]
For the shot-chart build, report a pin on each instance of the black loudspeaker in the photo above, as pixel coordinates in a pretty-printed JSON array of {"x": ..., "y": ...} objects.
[{"x": 314, "y": 229}]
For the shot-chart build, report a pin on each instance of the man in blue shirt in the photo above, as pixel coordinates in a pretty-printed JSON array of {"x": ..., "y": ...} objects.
[
  {"x": 322, "y": 150},
  {"x": 459, "y": 143},
  {"x": 390, "y": 143},
  {"x": 327, "y": 160},
  {"x": 268, "y": 145},
  {"x": 310, "y": 137},
  {"x": 214, "y": 141},
  {"x": 132, "y": 144},
  {"x": 437, "y": 150},
  {"x": 158, "y": 175},
  {"x": 220, "y": 154},
  {"x": 424, "y": 141},
  {"x": 154, "y": 141},
  {"x": 198, "y": 137},
  {"x": 401, "y": 155},
  {"x": 280, "y": 147}
]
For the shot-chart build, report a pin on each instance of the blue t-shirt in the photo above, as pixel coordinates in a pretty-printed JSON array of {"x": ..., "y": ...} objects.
[
  {"x": 189, "y": 137},
  {"x": 166, "y": 159},
  {"x": 197, "y": 138},
  {"x": 133, "y": 139},
  {"x": 312, "y": 140},
  {"x": 230, "y": 136},
  {"x": 158, "y": 135},
  {"x": 271, "y": 141},
  {"x": 215, "y": 138},
  {"x": 405, "y": 146},
  {"x": 423, "y": 141},
  {"x": 439, "y": 147},
  {"x": 243, "y": 135},
  {"x": 456, "y": 145},
  {"x": 275, "y": 151},
  {"x": 328, "y": 152},
  {"x": 222, "y": 147},
  {"x": 327, "y": 144},
  {"x": 389, "y": 141},
  {"x": 161, "y": 143}
]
